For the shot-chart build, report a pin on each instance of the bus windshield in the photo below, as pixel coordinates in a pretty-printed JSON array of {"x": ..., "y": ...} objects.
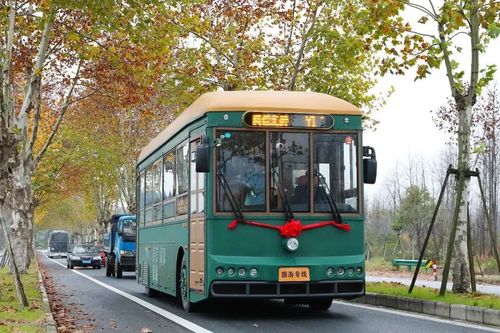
[
  {"x": 306, "y": 181},
  {"x": 59, "y": 237}
]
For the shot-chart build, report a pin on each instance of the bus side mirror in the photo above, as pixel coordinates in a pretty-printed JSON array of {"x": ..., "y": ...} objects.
[
  {"x": 203, "y": 156},
  {"x": 369, "y": 165}
]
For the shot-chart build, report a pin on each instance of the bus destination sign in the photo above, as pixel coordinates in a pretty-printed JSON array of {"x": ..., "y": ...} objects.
[{"x": 288, "y": 120}]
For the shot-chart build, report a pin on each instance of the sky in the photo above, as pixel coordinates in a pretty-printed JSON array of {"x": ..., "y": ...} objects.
[{"x": 406, "y": 127}]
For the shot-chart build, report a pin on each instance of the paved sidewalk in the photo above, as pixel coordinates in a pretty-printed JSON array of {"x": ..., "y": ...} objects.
[{"x": 481, "y": 287}]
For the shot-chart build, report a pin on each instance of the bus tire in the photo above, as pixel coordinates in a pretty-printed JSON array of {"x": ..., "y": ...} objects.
[
  {"x": 182, "y": 286},
  {"x": 320, "y": 304},
  {"x": 150, "y": 292},
  {"x": 118, "y": 270}
]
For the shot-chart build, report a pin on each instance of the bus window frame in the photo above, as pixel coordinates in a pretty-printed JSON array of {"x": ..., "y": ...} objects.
[
  {"x": 357, "y": 133},
  {"x": 141, "y": 221}
]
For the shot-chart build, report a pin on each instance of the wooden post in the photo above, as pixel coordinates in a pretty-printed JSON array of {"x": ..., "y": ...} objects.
[
  {"x": 428, "y": 236},
  {"x": 479, "y": 265},
  {"x": 470, "y": 253},
  {"x": 449, "y": 251},
  {"x": 490, "y": 226}
]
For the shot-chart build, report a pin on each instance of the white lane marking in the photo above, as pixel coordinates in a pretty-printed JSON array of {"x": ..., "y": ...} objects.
[
  {"x": 420, "y": 316},
  {"x": 164, "y": 313}
]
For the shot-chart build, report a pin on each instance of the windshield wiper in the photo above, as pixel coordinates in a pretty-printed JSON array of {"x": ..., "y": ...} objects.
[
  {"x": 287, "y": 208},
  {"x": 329, "y": 198},
  {"x": 232, "y": 201}
]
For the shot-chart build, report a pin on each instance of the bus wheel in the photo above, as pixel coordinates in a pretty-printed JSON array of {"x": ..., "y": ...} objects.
[
  {"x": 321, "y": 304},
  {"x": 182, "y": 286},
  {"x": 118, "y": 270},
  {"x": 150, "y": 292}
]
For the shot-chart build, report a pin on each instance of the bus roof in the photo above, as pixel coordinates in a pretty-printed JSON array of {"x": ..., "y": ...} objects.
[
  {"x": 237, "y": 101},
  {"x": 59, "y": 232}
]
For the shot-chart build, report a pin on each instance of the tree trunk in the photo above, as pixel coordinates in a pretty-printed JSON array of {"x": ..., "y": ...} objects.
[
  {"x": 21, "y": 296},
  {"x": 15, "y": 198},
  {"x": 461, "y": 276},
  {"x": 22, "y": 216}
]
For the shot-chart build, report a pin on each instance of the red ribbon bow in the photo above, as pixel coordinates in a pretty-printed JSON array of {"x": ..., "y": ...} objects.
[{"x": 293, "y": 227}]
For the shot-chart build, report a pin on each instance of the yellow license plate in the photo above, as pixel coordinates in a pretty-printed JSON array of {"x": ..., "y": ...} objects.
[{"x": 289, "y": 274}]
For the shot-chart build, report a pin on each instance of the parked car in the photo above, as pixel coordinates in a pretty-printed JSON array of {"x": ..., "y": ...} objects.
[{"x": 84, "y": 255}]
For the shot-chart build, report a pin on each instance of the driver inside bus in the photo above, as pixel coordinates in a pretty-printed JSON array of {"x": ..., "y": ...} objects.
[{"x": 301, "y": 191}]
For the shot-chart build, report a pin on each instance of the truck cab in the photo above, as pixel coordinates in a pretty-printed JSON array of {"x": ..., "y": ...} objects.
[{"x": 119, "y": 245}]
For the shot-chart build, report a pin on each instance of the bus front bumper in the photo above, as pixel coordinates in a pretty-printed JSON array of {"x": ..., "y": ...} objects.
[{"x": 260, "y": 289}]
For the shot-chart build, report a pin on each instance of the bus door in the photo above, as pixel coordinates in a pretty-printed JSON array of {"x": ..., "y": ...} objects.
[{"x": 196, "y": 224}]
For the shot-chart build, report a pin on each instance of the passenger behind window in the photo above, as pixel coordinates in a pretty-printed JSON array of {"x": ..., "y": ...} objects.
[
  {"x": 255, "y": 181},
  {"x": 301, "y": 191}
]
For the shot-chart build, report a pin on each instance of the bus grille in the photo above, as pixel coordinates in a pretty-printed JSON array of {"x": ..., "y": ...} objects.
[{"x": 259, "y": 289}]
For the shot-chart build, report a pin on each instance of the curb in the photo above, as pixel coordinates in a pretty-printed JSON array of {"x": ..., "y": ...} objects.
[
  {"x": 473, "y": 314},
  {"x": 49, "y": 318}
]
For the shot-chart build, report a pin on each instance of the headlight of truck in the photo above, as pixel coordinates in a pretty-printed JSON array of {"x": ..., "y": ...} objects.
[
  {"x": 96, "y": 258},
  {"x": 127, "y": 253}
]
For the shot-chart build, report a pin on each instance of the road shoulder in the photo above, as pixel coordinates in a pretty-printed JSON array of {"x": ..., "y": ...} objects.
[
  {"x": 474, "y": 314},
  {"x": 49, "y": 318}
]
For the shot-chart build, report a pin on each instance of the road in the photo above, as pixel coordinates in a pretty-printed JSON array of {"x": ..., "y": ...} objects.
[{"x": 113, "y": 305}]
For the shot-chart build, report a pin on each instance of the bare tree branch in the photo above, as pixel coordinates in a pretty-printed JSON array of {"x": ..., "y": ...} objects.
[
  {"x": 447, "y": 61},
  {"x": 36, "y": 120},
  {"x": 474, "y": 70},
  {"x": 35, "y": 78},
  {"x": 56, "y": 125},
  {"x": 6, "y": 111},
  {"x": 421, "y": 8},
  {"x": 215, "y": 47},
  {"x": 433, "y": 8},
  {"x": 422, "y": 34},
  {"x": 303, "y": 43}
]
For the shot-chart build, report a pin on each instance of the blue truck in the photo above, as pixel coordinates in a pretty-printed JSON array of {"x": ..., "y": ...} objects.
[{"x": 119, "y": 245}]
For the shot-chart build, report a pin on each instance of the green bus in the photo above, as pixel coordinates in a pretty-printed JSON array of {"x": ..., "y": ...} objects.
[{"x": 255, "y": 194}]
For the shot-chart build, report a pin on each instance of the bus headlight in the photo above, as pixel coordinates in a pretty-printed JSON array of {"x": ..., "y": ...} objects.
[
  {"x": 253, "y": 272},
  {"x": 340, "y": 271},
  {"x": 291, "y": 244},
  {"x": 230, "y": 271},
  {"x": 330, "y": 272},
  {"x": 242, "y": 271},
  {"x": 219, "y": 270},
  {"x": 359, "y": 270},
  {"x": 350, "y": 271}
]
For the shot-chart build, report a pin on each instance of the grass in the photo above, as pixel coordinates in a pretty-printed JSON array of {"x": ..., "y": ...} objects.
[
  {"x": 431, "y": 294},
  {"x": 12, "y": 318},
  {"x": 378, "y": 264}
]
